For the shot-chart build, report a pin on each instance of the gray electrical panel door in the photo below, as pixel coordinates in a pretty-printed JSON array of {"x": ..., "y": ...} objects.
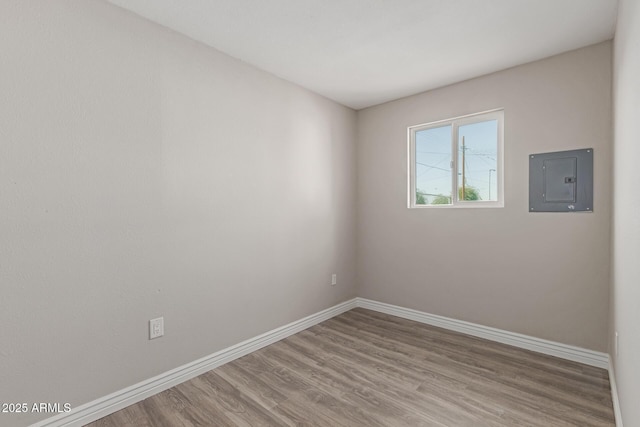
[{"x": 561, "y": 181}]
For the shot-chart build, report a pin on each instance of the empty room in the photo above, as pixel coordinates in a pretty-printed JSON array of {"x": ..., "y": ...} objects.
[{"x": 319, "y": 213}]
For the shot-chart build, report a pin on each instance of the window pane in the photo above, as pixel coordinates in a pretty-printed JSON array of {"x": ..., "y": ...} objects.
[
  {"x": 478, "y": 161},
  {"x": 433, "y": 166}
]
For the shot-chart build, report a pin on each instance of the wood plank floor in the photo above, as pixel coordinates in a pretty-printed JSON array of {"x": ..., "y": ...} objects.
[{"x": 364, "y": 368}]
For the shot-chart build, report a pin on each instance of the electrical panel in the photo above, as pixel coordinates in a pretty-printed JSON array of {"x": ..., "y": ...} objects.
[{"x": 561, "y": 181}]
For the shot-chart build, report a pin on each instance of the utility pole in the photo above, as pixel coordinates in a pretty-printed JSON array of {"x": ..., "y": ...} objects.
[{"x": 463, "y": 178}]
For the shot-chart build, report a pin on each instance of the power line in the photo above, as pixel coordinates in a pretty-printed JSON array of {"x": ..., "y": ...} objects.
[{"x": 432, "y": 166}]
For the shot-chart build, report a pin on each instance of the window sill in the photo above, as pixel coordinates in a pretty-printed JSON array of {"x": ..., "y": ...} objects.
[{"x": 459, "y": 206}]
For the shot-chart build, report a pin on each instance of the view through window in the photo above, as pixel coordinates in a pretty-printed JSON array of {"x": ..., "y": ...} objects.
[{"x": 457, "y": 162}]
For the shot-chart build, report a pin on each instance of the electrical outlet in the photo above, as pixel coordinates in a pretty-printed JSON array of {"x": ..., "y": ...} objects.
[
  {"x": 156, "y": 328},
  {"x": 616, "y": 344},
  {"x": 334, "y": 279}
]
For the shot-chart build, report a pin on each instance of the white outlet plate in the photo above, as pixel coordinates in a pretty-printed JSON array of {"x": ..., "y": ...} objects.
[
  {"x": 334, "y": 279},
  {"x": 156, "y": 328}
]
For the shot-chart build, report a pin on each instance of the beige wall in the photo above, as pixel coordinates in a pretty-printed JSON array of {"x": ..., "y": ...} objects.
[
  {"x": 546, "y": 274},
  {"x": 142, "y": 175},
  {"x": 625, "y": 289}
]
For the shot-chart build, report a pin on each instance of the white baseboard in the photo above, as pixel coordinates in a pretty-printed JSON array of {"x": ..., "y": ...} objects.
[
  {"x": 111, "y": 403},
  {"x": 114, "y": 402},
  {"x": 614, "y": 395},
  {"x": 564, "y": 351}
]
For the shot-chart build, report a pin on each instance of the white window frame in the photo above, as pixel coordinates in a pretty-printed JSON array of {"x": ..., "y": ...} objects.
[{"x": 456, "y": 122}]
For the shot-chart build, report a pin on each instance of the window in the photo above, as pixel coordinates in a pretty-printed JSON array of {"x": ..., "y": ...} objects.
[{"x": 457, "y": 162}]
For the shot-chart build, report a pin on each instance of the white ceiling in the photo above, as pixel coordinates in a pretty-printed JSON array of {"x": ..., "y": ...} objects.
[{"x": 365, "y": 52}]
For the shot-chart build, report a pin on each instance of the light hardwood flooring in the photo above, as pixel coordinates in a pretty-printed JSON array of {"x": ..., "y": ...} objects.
[{"x": 364, "y": 368}]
